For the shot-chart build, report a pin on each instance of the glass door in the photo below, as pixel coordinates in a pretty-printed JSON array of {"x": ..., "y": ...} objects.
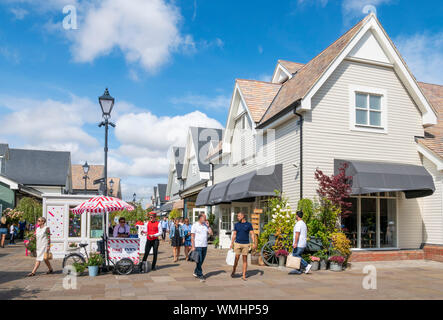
[{"x": 368, "y": 223}]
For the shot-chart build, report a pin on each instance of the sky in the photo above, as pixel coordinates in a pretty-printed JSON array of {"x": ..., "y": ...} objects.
[{"x": 169, "y": 65}]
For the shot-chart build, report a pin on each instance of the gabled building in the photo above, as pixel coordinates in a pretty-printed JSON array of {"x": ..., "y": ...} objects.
[
  {"x": 25, "y": 172},
  {"x": 158, "y": 198},
  {"x": 196, "y": 168},
  {"x": 80, "y": 186},
  {"x": 356, "y": 102},
  {"x": 175, "y": 182}
]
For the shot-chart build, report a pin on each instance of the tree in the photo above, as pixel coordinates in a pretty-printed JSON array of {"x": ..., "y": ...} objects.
[
  {"x": 31, "y": 208},
  {"x": 336, "y": 189},
  {"x": 175, "y": 213}
]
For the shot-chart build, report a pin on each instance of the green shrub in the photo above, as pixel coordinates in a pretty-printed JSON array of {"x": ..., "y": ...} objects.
[{"x": 95, "y": 259}]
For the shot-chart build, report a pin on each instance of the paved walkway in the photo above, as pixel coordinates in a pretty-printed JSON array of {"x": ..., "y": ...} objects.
[{"x": 395, "y": 280}]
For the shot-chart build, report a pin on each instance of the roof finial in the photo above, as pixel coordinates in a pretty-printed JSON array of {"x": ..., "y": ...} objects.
[{"x": 370, "y": 9}]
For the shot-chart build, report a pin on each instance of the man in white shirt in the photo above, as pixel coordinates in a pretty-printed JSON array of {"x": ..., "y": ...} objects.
[
  {"x": 199, "y": 239},
  {"x": 299, "y": 244}
]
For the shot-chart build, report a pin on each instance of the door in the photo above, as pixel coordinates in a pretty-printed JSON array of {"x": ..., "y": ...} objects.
[{"x": 225, "y": 226}]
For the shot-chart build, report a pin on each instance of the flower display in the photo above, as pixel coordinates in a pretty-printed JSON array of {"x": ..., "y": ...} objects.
[
  {"x": 337, "y": 259},
  {"x": 313, "y": 258},
  {"x": 281, "y": 253}
]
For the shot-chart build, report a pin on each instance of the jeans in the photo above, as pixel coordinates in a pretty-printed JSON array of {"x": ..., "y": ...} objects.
[
  {"x": 151, "y": 244},
  {"x": 297, "y": 252},
  {"x": 164, "y": 233},
  {"x": 201, "y": 258},
  {"x": 11, "y": 238}
]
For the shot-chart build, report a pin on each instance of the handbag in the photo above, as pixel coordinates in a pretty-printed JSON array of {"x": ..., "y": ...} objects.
[
  {"x": 230, "y": 258},
  {"x": 47, "y": 256},
  {"x": 194, "y": 256},
  {"x": 293, "y": 262}
]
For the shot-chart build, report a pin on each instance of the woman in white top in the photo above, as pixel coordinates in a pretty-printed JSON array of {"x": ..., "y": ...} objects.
[{"x": 43, "y": 239}]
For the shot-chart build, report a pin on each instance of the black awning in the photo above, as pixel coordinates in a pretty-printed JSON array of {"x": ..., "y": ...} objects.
[
  {"x": 257, "y": 183},
  {"x": 369, "y": 177},
  {"x": 218, "y": 193},
  {"x": 166, "y": 207},
  {"x": 203, "y": 196}
]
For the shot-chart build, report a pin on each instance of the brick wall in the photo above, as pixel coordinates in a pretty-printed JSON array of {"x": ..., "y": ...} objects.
[
  {"x": 433, "y": 252},
  {"x": 429, "y": 252}
]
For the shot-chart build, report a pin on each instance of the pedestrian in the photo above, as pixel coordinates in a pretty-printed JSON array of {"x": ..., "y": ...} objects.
[
  {"x": 176, "y": 235},
  {"x": 153, "y": 231},
  {"x": 22, "y": 228},
  {"x": 299, "y": 243},
  {"x": 199, "y": 240},
  {"x": 165, "y": 227},
  {"x": 240, "y": 242},
  {"x": 11, "y": 233},
  {"x": 187, "y": 232},
  {"x": 3, "y": 230},
  {"x": 43, "y": 239}
]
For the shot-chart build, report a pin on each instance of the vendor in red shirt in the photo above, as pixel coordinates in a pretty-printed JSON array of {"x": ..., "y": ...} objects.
[{"x": 153, "y": 231}]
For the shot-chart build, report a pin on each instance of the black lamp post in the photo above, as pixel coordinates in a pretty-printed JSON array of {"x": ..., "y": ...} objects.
[
  {"x": 86, "y": 170},
  {"x": 133, "y": 197},
  {"x": 111, "y": 185},
  {"x": 106, "y": 103}
]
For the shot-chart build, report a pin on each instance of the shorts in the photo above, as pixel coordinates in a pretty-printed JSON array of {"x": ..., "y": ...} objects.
[
  {"x": 241, "y": 249},
  {"x": 3, "y": 231},
  {"x": 188, "y": 243}
]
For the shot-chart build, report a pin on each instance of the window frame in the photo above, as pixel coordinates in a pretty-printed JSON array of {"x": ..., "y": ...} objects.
[{"x": 354, "y": 126}]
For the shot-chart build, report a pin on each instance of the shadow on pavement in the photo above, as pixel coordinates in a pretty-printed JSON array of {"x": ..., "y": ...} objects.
[
  {"x": 214, "y": 273},
  {"x": 9, "y": 294},
  {"x": 12, "y": 276},
  {"x": 251, "y": 273},
  {"x": 165, "y": 266}
]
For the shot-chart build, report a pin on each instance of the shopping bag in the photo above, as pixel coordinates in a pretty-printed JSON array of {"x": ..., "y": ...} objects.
[
  {"x": 293, "y": 262},
  {"x": 194, "y": 256},
  {"x": 47, "y": 256},
  {"x": 230, "y": 258}
]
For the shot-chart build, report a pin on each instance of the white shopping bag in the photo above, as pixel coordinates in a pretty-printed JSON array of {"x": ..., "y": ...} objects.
[{"x": 230, "y": 258}]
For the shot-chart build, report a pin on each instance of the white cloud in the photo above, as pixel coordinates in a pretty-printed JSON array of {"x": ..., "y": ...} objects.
[
  {"x": 19, "y": 13},
  {"x": 146, "y": 32},
  {"x": 424, "y": 55},
  {"x": 359, "y": 8},
  {"x": 219, "y": 102},
  {"x": 10, "y": 55}
]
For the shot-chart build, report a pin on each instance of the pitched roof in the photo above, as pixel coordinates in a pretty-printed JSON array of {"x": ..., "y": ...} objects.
[
  {"x": 292, "y": 67},
  {"x": 200, "y": 138},
  {"x": 217, "y": 149},
  {"x": 162, "y": 191},
  {"x": 299, "y": 85},
  {"x": 78, "y": 183},
  {"x": 258, "y": 96},
  {"x": 179, "y": 156},
  {"x": 37, "y": 167},
  {"x": 434, "y": 134}
]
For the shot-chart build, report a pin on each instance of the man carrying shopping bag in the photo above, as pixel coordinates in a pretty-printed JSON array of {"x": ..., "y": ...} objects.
[
  {"x": 240, "y": 242},
  {"x": 199, "y": 239},
  {"x": 299, "y": 244}
]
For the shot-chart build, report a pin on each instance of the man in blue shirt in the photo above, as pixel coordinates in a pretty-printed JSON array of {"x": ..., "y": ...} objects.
[
  {"x": 165, "y": 227},
  {"x": 240, "y": 242}
]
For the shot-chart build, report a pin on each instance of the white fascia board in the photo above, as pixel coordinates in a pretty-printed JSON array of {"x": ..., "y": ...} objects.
[
  {"x": 429, "y": 117},
  {"x": 431, "y": 156},
  {"x": 278, "y": 69},
  {"x": 226, "y": 146},
  {"x": 11, "y": 183},
  {"x": 189, "y": 145}
]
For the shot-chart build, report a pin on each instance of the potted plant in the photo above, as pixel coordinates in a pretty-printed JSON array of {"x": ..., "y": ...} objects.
[
  {"x": 315, "y": 262},
  {"x": 79, "y": 268},
  {"x": 323, "y": 256},
  {"x": 281, "y": 254},
  {"x": 336, "y": 263},
  {"x": 95, "y": 260}
]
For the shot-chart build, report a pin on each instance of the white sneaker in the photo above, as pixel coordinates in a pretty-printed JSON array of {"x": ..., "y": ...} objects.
[
  {"x": 196, "y": 276},
  {"x": 308, "y": 268}
]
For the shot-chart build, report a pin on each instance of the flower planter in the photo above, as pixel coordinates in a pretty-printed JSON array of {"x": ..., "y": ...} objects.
[
  {"x": 93, "y": 271},
  {"x": 334, "y": 266},
  {"x": 281, "y": 261},
  {"x": 315, "y": 265},
  {"x": 323, "y": 264}
]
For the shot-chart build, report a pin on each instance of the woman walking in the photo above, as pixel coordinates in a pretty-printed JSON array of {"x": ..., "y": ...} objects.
[
  {"x": 176, "y": 235},
  {"x": 187, "y": 233},
  {"x": 43, "y": 238},
  {"x": 3, "y": 230}
]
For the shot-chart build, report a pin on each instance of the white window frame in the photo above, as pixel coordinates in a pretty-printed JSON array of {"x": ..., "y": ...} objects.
[{"x": 353, "y": 91}]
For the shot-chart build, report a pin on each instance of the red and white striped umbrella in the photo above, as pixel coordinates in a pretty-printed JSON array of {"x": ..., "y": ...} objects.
[{"x": 102, "y": 204}]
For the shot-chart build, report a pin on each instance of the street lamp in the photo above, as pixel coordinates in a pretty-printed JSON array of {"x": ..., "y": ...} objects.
[
  {"x": 133, "y": 197},
  {"x": 86, "y": 170},
  {"x": 111, "y": 185},
  {"x": 106, "y": 103}
]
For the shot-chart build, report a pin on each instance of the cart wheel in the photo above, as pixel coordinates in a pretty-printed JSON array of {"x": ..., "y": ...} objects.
[
  {"x": 69, "y": 261},
  {"x": 268, "y": 254},
  {"x": 124, "y": 266}
]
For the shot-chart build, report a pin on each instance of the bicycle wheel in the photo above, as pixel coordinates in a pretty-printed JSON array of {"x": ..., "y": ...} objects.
[
  {"x": 69, "y": 261},
  {"x": 124, "y": 266},
  {"x": 268, "y": 254}
]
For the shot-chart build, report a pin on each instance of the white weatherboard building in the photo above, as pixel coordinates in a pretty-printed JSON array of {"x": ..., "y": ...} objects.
[{"x": 356, "y": 103}]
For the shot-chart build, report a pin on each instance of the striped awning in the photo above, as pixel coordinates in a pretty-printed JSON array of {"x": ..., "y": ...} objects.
[{"x": 102, "y": 204}]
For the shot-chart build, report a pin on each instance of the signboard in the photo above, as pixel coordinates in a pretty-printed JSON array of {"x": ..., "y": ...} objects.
[
  {"x": 124, "y": 248},
  {"x": 255, "y": 220}
]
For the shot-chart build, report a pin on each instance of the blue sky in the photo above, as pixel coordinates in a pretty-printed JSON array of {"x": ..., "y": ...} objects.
[{"x": 169, "y": 65}]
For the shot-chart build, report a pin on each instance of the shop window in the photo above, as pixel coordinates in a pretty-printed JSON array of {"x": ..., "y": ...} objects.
[
  {"x": 96, "y": 226},
  {"x": 75, "y": 225},
  {"x": 388, "y": 223},
  {"x": 349, "y": 223}
]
